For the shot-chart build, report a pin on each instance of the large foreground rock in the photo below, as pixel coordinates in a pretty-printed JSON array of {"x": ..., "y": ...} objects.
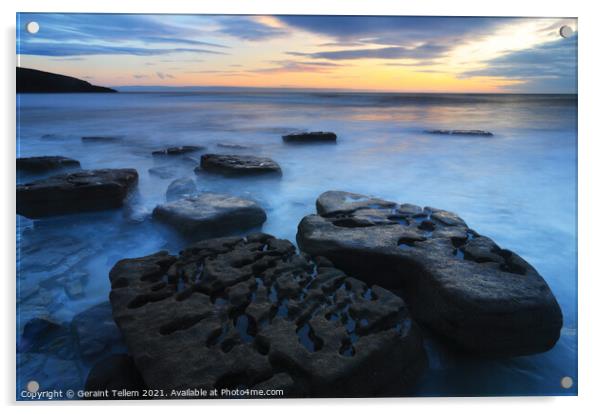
[
  {"x": 317, "y": 136},
  {"x": 210, "y": 215},
  {"x": 236, "y": 165},
  {"x": 251, "y": 313},
  {"x": 76, "y": 192},
  {"x": 46, "y": 163},
  {"x": 462, "y": 285}
]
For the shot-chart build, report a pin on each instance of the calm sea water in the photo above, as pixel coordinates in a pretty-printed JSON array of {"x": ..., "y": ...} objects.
[{"x": 518, "y": 187}]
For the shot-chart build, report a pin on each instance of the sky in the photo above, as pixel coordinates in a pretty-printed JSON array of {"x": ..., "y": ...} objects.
[{"x": 396, "y": 54}]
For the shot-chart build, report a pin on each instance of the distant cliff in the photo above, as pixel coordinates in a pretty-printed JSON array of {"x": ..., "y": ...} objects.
[{"x": 36, "y": 81}]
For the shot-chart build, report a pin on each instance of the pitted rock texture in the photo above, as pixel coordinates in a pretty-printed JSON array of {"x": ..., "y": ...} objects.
[
  {"x": 210, "y": 215},
  {"x": 237, "y": 165},
  {"x": 482, "y": 298},
  {"x": 316, "y": 136},
  {"x": 87, "y": 190},
  {"x": 251, "y": 313}
]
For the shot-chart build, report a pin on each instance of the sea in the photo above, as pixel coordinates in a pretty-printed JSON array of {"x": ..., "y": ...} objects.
[{"x": 518, "y": 187}]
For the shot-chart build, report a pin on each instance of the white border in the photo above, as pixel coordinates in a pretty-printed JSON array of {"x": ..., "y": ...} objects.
[{"x": 589, "y": 199}]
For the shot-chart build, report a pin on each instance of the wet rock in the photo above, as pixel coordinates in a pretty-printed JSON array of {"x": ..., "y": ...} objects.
[
  {"x": 237, "y": 165},
  {"x": 232, "y": 146},
  {"x": 210, "y": 215},
  {"x": 102, "y": 139},
  {"x": 41, "y": 335},
  {"x": 96, "y": 332},
  {"x": 87, "y": 190},
  {"x": 116, "y": 372},
  {"x": 165, "y": 172},
  {"x": 183, "y": 149},
  {"x": 46, "y": 163},
  {"x": 317, "y": 136},
  {"x": 462, "y": 285},
  {"x": 252, "y": 313},
  {"x": 468, "y": 132},
  {"x": 180, "y": 188}
]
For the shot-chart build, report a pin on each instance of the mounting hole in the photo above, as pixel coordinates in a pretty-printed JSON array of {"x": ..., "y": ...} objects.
[
  {"x": 32, "y": 27},
  {"x": 566, "y": 31},
  {"x": 566, "y": 382},
  {"x": 33, "y": 386}
]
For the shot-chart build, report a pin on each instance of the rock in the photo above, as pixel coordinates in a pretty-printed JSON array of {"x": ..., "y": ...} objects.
[
  {"x": 232, "y": 146},
  {"x": 180, "y": 188},
  {"x": 101, "y": 139},
  {"x": 183, "y": 149},
  {"x": 46, "y": 163},
  {"x": 235, "y": 165},
  {"x": 317, "y": 136},
  {"x": 252, "y": 313},
  {"x": 87, "y": 190},
  {"x": 482, "y": 298},
  {"x": 210, "y": 215},
  {"x": 96, "y": 332},
  {"x": 41, "y": 335},
  {"x": 164, "y": 172},
  {"x": 116, "y": 372},
  {"x": 37, "y": 81},
  {"x": 470, "y": 132}
]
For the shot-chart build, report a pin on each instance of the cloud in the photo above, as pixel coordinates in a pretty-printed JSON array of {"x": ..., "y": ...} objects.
[
  {"x": 107, "y": 34},
  {"x": 288, "y": 66},
  {"x": 82, "y": 49},
  {"x": 247, "y": 28},
  {"x": 162, "y": 75},
  {"x": 426, "y": 51},
  {"x": 551, "y": 66}
]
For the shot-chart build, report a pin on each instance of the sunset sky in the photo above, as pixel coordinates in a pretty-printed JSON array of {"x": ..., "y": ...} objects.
[{"x": 401, "y": 54}]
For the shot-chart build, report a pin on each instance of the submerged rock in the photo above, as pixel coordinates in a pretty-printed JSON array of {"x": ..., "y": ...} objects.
[
  {"x": 470, "y": 132},
  {"x": 165, "y": 172},
  {"x": 252, "y": 313},
  {"x": 116, "y": 372},
  {"x": 462, "y": 285},
  {"x": 180, "y": 188},
  {"x": 317, "y": 136},
  {"x": 96, "y": 332},
  {"x": 235, "y": 165},
  {"x": 232, "y": 146},
  {"x": 210, "y": 215},
  {"x": 183, "y": 149},
  {"x": 46, "y": 163},
  {"x": 87, "y": 190},
  {"x": 102, "y": 139}
]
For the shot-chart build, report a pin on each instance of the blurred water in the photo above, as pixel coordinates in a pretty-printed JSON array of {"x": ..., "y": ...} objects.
[{"x": 518, "y": 187}]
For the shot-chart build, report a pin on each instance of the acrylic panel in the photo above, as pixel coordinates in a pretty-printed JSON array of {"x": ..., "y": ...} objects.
[{"x": 282, "y": 206}]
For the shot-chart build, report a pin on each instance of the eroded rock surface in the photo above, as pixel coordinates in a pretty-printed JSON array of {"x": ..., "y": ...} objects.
[
  {"x": 237, "y": 165},
  {"x": 210, "y": 215},
  {"x": 251, "y": 313},
  {"x": 46, "y": 163},
  {"x": 316, "y": 136},
  {"x": 87, "y": 190},
  {"x": 481, "y": 297}
]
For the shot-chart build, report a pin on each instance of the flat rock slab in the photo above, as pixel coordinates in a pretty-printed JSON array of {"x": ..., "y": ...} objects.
[
  {"x": 462, "y": 285},
  {"x": 180, "y": 150},
  {"x": 317, "y": 136},
  {"x": 468, "y": 132},
  {"x": 46, "y": 163},
  {"x": 251, "y": 313},
  {"x": 239, "y": 165},
  {"x": 210, "y": 215},
  {"x": 87, "y": 190}
]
